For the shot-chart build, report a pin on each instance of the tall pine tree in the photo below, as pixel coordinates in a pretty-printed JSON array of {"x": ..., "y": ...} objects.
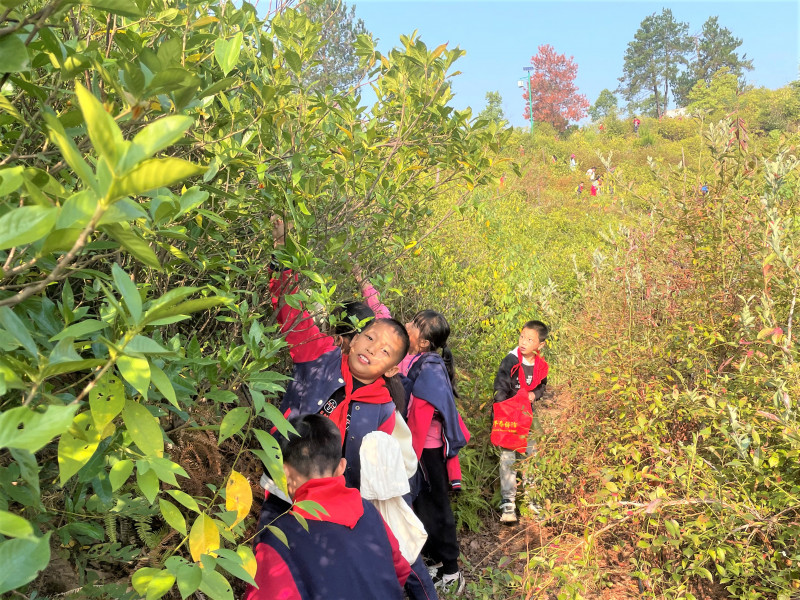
[
  {"x": 337, "y": 61},
  {"x": 715, "y": 48},
  {"x": 653, "y": 61}
]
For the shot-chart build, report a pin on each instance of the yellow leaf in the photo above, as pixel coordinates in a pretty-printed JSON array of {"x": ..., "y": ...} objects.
[
  {"x": 203, "y": 538},
  {"x": 248, "y": 560},
  {"x": 238, "y": 496}
]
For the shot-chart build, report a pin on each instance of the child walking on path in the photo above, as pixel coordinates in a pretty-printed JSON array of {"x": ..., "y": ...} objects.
[{"x": 520, "y": 381}]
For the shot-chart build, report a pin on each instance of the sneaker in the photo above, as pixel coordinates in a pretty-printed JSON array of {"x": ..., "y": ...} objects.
[
  {"x": 452, "y": 583},
  {"x": 433, "y": 569},
  {"x": 508, "y": 512}
]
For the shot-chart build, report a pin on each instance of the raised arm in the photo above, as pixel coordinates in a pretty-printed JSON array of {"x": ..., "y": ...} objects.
[
  {"x": 371, "y": 296},
  {"x": 306, "y": 341}
]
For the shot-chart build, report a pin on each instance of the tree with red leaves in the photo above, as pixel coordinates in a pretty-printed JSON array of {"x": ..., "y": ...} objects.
[{"x": 555, "y": 97}]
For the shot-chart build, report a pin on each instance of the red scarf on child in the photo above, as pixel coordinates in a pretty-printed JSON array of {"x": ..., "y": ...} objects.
[
  {"x": 372, "y": 393},
  {"x": 540, "y": 368}
]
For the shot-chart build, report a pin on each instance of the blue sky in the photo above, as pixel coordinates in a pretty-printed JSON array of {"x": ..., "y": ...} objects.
[{"x": 500, "y": 38}]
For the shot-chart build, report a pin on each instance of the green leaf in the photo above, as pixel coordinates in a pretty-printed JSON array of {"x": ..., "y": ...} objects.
[
  {"x": 28, "y": 467},
  {"x": 22, "y": 559},
  {"x": 14, "y": 325},
  {"x": 226, "y": 52},
  {"x": 165, "y": 469},
  {"x": 148, "y": 482},
  {"x": 185, "y": 308},
  {"x": 10, "y": 178},
  {"x": 134, "y": 244},
  {"x": 124, "y": 8},
  {"x": 136, "y": 371},
  {"x": 26, "y": 224},
  {"x": 13, "y": 54},
  {"x": 74, "y": 452},
  {"x": 12, "y": 525},
  {"x": 119, "y": 473},
  {"x": 278, "y": 534},
  {"x": 274, "y": 414},
  {"x": 80, "y": 330},
  {"x": 103, "y": 131},
  {"x": 25, "y": 429},
  {"x": 106, "y": 400},
  {"x": 184, "y": 499},
  {"x": 293, "y": 60},
  {"x": 233, "y": 422},
  {"x": 153, "y": 173},
  {"x": 143, "y": 428},
  {"x": 215, "y": 586},
  {"x": 157, "y": 136},
  {"x": 189, "y": 578},
  {"x": 152, "y": 583},
  {"x": 271, "y": 456},
  {"x": 311, "y": 507},
  {"x": 129, "y": 292},
  {"x": 70, "y": 151},
  {"x": 144, "y": 345},
  {"x": 163, "y": 385},
  {"x": 172, "y": 516}
]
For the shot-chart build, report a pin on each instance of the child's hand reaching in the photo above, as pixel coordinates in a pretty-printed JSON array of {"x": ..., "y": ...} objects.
[
  {"x": 531, "y": 397},
  {"x": 278, "y": 231}
]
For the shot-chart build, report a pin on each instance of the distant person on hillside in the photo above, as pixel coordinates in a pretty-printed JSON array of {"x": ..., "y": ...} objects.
[
  {"x": 636, "y": 123},
  {"x": 572, "y": 162},
  {"x": 520, "y": 381},
  {"x": 346, "y": 552},
  {"x": 590, "y": 173},
  {"x": 593, "y": 189},
  {"x": 704, "y": 190},
  {"x": 579, "y": 189}
]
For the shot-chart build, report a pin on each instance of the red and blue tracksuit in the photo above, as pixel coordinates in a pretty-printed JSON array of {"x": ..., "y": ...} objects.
[
  {"x": 323, "y": 384},
  {"x": 348, "y": 554}
]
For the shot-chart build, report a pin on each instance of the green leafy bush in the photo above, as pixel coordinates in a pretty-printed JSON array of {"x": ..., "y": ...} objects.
[{"x": 145, "y": 147}]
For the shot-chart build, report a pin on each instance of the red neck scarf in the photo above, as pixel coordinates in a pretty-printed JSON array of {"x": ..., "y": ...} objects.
[
  {"x": 539, "y": 372},
  {"x": 373, "y": 393}
]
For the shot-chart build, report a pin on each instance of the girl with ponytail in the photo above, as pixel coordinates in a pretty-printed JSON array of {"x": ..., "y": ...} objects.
[{"x": 437, "y": 434}]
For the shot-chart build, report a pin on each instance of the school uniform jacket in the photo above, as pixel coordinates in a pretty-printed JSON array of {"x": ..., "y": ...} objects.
[
  {"x": 427, "y": 381},
  {"x": 348, "y": 554},
  {"x": 321, "y": 372}
]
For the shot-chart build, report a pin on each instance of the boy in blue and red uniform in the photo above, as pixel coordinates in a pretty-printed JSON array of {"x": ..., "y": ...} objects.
[
  {"x": 348, "y": 388},
  {"x": 522, "y": 371},
  {"x": 347, "y": 554}
]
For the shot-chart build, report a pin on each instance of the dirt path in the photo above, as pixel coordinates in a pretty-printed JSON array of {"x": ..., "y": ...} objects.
[{"x": 533, "y": 558}]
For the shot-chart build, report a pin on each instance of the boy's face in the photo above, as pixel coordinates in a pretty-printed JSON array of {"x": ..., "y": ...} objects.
[
  {"x": 529, "y": 343},
  {"x": 374, "y": 352}
]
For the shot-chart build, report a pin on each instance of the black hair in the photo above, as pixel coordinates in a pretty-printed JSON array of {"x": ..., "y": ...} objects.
[
  {"x": 398, "y": 393},
  {"x": 539, "y": 327},
  {"x": 399, "y": 330},
  {"x": 316, "y": 450},
  {"x": 434, "y": 328},
  {"x": 351, "y": 311}
]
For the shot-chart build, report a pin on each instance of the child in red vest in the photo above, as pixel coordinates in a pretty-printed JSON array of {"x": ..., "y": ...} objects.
[{"x": 520, "y": 381}]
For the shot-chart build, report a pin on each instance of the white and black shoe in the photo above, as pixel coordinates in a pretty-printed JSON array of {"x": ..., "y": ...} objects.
[
  {"x": 508, "y": 512},
  {"x": 452, "y": 583}
]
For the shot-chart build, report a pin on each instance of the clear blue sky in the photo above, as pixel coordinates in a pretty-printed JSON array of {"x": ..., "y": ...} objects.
[{"x": 501, "y": 37}]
